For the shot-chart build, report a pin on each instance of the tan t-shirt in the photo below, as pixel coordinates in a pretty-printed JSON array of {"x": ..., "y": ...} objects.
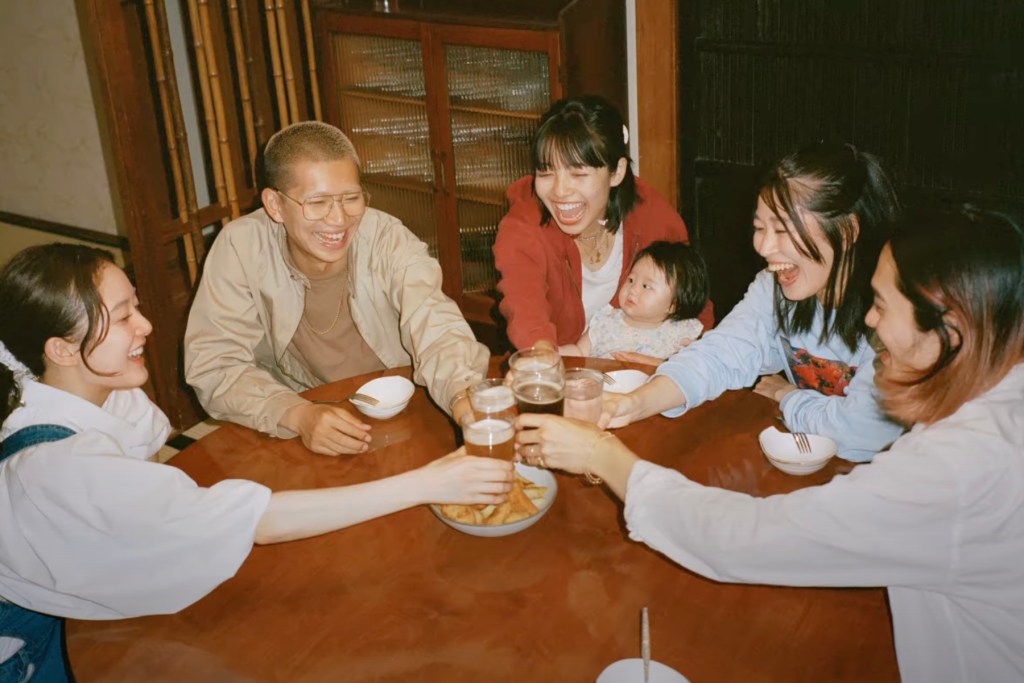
[{"x": 327, "y": 338}]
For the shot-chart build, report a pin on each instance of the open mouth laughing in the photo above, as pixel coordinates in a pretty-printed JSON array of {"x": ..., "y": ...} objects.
[
  {"x": 785, "y": 273},
  {"x": 569, "y": 214}
]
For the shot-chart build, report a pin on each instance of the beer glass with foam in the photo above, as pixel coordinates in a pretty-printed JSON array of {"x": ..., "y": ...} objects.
[
  {"x": 489, "y": 428},
  {"x": 538, "y": 380}
]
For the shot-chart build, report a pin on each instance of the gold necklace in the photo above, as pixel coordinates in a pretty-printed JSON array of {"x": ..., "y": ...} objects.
[
  {"x": 337, "y": 314},
  {"x": 595, "y": 255}
]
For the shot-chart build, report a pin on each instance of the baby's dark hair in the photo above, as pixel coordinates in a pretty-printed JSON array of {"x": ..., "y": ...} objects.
[
  {"x": 685, "y": 271},
  {"x": 47, "y": 291}
]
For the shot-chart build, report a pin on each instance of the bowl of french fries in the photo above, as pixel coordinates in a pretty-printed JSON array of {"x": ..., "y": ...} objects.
[{"x": 532, "y": 494}]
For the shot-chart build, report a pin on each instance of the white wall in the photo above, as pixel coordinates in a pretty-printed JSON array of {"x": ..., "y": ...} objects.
[
  {"x": 51, "y": 159},
  {"x": 633, "y": 115}
]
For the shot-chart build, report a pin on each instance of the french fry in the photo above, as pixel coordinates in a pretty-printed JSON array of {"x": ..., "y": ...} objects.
[{"x": 522, "y": 503}]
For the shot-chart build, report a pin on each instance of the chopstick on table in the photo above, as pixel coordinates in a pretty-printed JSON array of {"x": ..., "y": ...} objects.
[{"x": 645, "y": 643}]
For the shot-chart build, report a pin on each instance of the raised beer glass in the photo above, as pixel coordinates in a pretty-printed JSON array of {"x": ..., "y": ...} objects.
[
  {"x": 490, "y": 427},
  {"x": 538, "y": 381}
]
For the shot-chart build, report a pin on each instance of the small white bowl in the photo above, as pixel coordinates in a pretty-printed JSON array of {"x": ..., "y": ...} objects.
[
  {"x": 632, "y": 671},
  {"x": 393, "y": 393},
  {"x": 534, "y": 474},
  {"x": 781, "y": 451},
  {"x": 625, "y": 381}
]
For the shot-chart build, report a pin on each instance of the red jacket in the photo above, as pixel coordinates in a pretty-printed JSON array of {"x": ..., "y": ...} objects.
[{"x": 542, "y": 273}]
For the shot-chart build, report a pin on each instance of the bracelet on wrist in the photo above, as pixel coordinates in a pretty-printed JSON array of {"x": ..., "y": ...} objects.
[
  {"x": 588, "y": 475},
  {"x": 458, "y": 396}
]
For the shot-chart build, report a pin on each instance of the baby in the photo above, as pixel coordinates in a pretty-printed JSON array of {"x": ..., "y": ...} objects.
[{"x": 666, "y": 288}]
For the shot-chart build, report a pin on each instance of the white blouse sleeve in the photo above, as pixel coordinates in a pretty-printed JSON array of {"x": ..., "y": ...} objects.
[
  {"x": 889, "y": 523},
  {"x": 91, "y": 534}
]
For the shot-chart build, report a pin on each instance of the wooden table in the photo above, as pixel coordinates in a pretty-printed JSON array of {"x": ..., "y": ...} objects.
[{"x": 406, "y": 598}]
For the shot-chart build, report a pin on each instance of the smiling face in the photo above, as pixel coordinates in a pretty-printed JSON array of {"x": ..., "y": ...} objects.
[
  {"x": 905, "y": 351},
  {"x": 775, "y": 239},
  {"x": 318, "y": 247},
  {"x": 116, "y": 362},
  {"x": 646, "y": 297},
  {"x": 577, "y": 196}
]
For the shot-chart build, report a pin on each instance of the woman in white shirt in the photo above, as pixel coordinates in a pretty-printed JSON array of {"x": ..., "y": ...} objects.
[
  {"x": 90, "y": 528},
  {"x": 938, "y": 519}
]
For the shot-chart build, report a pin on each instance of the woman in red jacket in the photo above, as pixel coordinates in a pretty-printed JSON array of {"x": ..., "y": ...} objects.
[{"x": 574, "y": 226}]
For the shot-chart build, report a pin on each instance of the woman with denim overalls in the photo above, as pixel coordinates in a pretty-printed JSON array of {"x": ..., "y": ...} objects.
[{"x": 90, "y": 528}]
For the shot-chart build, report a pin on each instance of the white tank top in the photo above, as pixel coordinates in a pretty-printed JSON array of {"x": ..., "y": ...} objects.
[{"x": 601, "y": 285}]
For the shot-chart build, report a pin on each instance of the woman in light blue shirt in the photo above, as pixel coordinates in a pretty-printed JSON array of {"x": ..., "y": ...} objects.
[{"x": 823, "y": 215}]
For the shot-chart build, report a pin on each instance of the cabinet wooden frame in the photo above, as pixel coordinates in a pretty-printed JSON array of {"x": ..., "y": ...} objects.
[{"x": 433, "y": 38}]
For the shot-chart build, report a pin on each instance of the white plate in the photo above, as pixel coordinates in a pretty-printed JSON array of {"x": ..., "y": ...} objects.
[
  {"x": 632, "y": 671},
  {"x": 625, "y": 381},
  {"x": 534, "y": 474}
]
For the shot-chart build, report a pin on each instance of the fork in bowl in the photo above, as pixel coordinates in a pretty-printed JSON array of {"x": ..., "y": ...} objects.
[{"x": 803, "y": 444}]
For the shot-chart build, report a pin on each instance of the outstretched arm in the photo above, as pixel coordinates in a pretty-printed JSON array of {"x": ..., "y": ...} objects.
[{"x": 455, "y": 478}]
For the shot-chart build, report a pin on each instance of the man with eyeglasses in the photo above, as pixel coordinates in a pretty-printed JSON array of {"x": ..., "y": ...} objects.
[{"x": 314, "y": 287}]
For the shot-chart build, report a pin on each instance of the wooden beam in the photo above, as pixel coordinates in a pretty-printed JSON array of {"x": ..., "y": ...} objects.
[{"x": 657, "y": 86}]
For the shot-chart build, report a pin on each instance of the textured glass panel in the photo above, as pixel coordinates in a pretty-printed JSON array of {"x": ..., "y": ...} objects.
[
  {"x": 390, "y": 136},
  {"x": 478, "y": 224},
  {"x": 490, "y": 151},
  {"x": 416, "y": 209},
  {"x": 384, "y": 65},
  {"x": 503, "y": 79}
]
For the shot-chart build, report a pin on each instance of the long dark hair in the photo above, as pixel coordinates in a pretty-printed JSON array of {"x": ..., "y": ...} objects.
[
  {"x": 47, "y": 291},
  {"x": 963, "y": 272},
  {"x": 586, "y": 131},
  {"x": 854, "y": 201}
]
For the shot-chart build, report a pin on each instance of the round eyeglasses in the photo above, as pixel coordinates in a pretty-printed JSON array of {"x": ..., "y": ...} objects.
[{"x": 353, "y": 204}]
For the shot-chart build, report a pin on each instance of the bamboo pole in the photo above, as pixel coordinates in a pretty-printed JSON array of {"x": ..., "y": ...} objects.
[
  {"x": 311, "y": 57},
  {"x": 218, "y": 107},
  {"x": 286, "y": 60},
  {"x": 275, "y": 61},
  {"x": 163, "y": 65},
  {"x": 259, "y": 123},
  {"x": 165, "y": 108},
  {"x": 241, "y": 65},
  {"x": 195, "y": 246},
  {"x": 204, "y": 89}
]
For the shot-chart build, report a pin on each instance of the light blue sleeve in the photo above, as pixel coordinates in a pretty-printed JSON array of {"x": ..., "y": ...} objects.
[
  {"x": 855, "y": 422},
  {"x": 733, "y": 355}
]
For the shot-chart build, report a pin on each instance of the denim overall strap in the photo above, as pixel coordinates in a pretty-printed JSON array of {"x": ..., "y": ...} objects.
[
  {"x": 33, "y": 436},
  {"x": 41, "y": 658}
]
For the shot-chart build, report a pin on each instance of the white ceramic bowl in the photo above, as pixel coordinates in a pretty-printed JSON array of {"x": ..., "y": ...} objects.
[
  {"x": 534, "y": 474},
  {"x": 393, "y": 393},
  {"x": 781, "y": 451},
  {"x": 625, "y": 381},
  {"x": 632, "y": 671}
]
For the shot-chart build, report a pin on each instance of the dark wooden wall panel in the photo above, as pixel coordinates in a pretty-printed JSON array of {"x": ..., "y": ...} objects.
[{"x": 934, "y": 88}]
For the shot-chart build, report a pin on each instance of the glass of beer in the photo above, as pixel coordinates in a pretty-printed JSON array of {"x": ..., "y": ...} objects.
[
  {"x": 538, "y": 381},
  {"x": 490, "y": 436},
  {"x": 492, "y": 398}
]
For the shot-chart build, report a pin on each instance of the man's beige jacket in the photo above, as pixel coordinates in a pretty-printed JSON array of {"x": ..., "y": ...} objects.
[{"x": 250, "y": 300}]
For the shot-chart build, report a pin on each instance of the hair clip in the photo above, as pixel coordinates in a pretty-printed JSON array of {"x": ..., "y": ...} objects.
[{"x": 625, "y": 135}]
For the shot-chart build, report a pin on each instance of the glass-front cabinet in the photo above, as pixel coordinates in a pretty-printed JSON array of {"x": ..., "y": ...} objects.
[{"x": 442, "y": 110}]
